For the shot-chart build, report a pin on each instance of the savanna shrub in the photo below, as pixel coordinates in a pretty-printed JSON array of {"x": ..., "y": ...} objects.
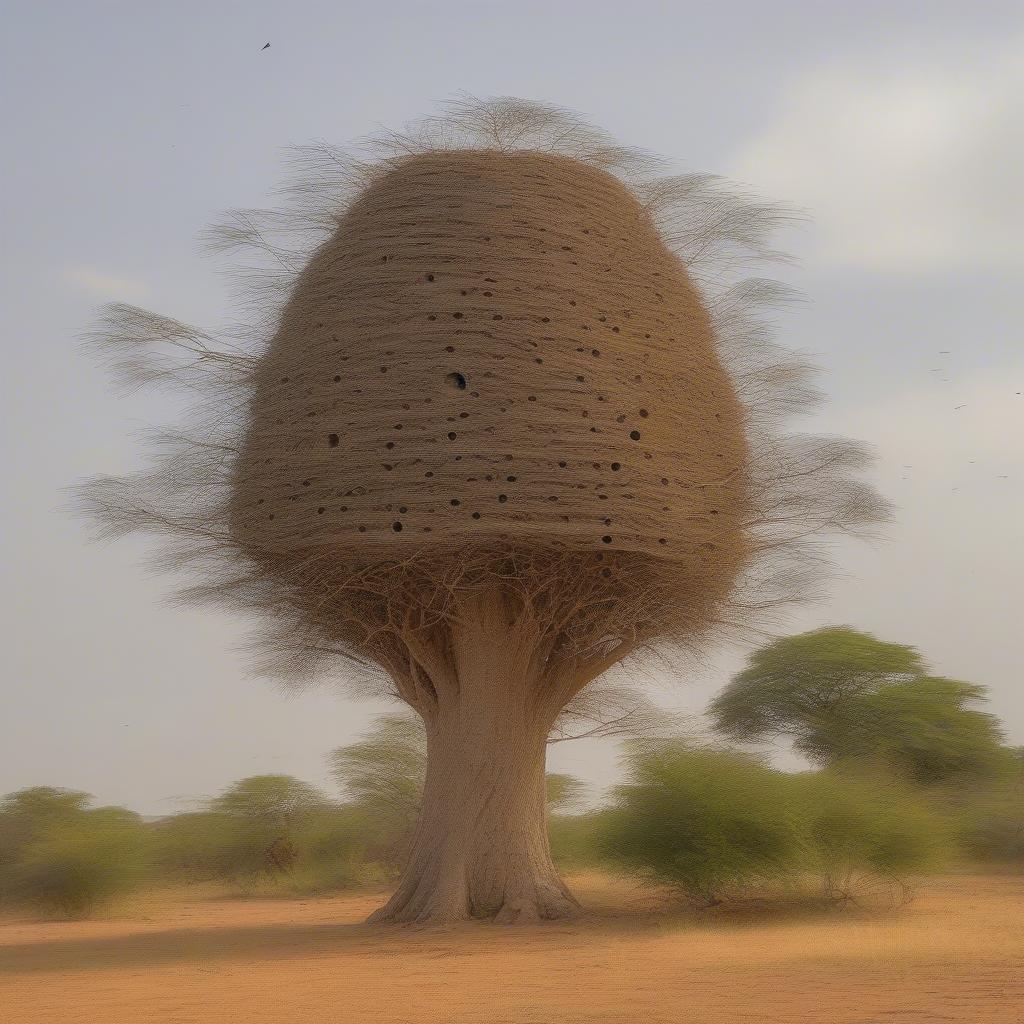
[
  {"x": 207, "y": 845},
  {"x": 340, "y": 847},
  {"x": 189, "y": 847},
  {"x": 866, "y": 831},
  {"x": 576, "y": 839},
  {"x": 72, "y": 868},
  {"x": 325, "y": 848},
  {"x": 704, "y": 821},
  {"x": 24, "y": 817},
  {"x": 990, "y": 826}
]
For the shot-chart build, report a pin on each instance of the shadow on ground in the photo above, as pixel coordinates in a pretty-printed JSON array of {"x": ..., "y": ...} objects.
[{"x": 644, "y": 912}]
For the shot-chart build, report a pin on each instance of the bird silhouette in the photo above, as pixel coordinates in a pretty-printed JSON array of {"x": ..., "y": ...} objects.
[
  {"x": 964, "y": 406},
  {"x": 265, "y": 46}
]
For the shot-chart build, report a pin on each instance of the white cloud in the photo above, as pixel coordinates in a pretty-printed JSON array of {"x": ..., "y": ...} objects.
[
  {"x": 108, "y": 285},
  {"x": 915, "y": 169}
]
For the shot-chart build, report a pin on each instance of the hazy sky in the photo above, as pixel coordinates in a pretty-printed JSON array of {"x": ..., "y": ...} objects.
[{"x": 126, "y": 127}]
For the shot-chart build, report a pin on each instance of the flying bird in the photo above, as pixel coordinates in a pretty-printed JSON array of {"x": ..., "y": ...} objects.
[
  {"x": 964, "y": 406},
  {"x": 264, "y": 46}
]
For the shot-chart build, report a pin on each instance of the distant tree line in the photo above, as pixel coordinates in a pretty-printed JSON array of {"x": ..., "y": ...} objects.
[{"x": 909, "y": 775}]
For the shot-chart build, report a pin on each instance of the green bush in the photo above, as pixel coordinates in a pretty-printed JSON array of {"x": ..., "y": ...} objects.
[
  {"x": 190, "y": 847},
  {"x": 715, "y": 824},
  {"x": 990, "y": 825},
  {"x": 707, "y": 822},
  {"x": 60, "y": 856},
  {"x": 24, "y": 816},
  {"x": 209, "y": 845},
  {"x": 341, "y": 847},
  {"x": 866, "y": 834},
  {"x": 576, "y": 839},
  {"x": 72, "y": 868},
  {"x": 323, "y": 848}
]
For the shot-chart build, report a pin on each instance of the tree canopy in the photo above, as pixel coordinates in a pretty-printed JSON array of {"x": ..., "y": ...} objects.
[
  {"x": 276, "y": 800},
  {"x": 927, "y": 728},
  {"x": 838, "y": 693},
  {"x": 383, "y": 771},
  {"x": 797, "y": 681}
]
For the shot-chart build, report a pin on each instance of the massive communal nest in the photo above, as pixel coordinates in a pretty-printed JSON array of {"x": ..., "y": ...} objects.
[{"x": 495, "y": 351}]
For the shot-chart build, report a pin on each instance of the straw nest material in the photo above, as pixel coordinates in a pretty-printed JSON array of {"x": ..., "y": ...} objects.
[{"x": 499, "y": 349}]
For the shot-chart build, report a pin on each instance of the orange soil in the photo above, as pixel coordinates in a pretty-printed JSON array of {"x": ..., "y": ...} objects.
[{"x": 956, "y": 954}]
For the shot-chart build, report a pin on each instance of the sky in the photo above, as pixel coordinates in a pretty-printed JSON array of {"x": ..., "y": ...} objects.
[{"x": 127, "y": 128}]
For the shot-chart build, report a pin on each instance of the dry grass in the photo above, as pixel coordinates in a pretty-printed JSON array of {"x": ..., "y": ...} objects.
[{"x": 956, "y": 954}]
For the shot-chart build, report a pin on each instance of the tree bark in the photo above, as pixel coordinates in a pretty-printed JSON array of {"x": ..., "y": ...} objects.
[{"x": 480, "y": 846}]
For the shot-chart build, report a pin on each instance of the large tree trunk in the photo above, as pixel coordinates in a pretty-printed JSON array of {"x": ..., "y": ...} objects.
[{"x": 480, "y": 847}]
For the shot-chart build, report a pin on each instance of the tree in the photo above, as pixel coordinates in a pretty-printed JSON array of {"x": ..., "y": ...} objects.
[
  {"x": 563, "y": 792},
  {"x": 837, "y": 694},
  {"x": 385, "y": 771},
  {"x": 794, "y": 685},
  {"x": 26, "y": 815},
  {"x": 38, "y": 806},
  {"x": 488, "y": 447},
  {"x": 59, "y": 854},
  {"x": 268, "y": 808},
  {"x": 927, "y": 728},
  {"x": 278, "y": 800}
]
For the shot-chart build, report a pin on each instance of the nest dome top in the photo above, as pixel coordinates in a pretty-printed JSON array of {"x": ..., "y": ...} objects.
[{"x": 493, "y": 346}]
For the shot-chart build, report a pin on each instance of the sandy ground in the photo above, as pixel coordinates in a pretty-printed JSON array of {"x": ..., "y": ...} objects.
[{"x": 956, "y": 954}]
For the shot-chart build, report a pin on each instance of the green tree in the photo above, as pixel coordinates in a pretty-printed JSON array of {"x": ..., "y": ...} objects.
[
  {"x": 928, "y": 728},
  {"x": 840, "y": 694},
  {"x": 279, "y": 800},
  {"x": 564, "y": 792},
  {"x": 25, "y": 815},
  {"x": 261, "y": 814},
  {"x": 60, "y": 855},
  {"x": 384, "y": 770},
  {"x": 796, "y": 685}
]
